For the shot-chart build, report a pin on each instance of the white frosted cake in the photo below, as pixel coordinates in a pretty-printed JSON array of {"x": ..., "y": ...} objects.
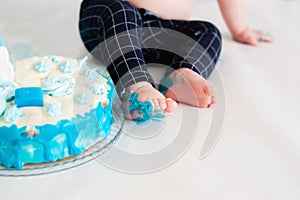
[{"x": 55, "y": 107}]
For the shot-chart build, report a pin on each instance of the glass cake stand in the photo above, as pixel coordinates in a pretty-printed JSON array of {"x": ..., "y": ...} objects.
[{"x": 90, "y": 154}]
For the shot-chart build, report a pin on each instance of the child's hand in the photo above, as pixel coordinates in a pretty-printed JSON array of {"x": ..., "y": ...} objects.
[{"x": 252, "y": 37}]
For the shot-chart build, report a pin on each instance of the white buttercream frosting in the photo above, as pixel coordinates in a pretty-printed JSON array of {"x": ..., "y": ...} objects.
[
  {"x": 59, "y": 87},
  {"x": 6, "y": 68}
]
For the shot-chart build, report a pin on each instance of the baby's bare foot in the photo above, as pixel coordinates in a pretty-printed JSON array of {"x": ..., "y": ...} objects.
[
  {"x": 146, "y": 93},
  {"x": 190, "y": 88}
]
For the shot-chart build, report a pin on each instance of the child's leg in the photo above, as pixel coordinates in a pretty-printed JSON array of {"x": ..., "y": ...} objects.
[
  {"x": 192, "y": 88},
  {"x": 111, "y": 30},
  {"x": 198, "y": 56}
]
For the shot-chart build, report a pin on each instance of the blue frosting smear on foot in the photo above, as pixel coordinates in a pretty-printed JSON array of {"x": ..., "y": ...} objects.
[{"x": 143, "y": 108}]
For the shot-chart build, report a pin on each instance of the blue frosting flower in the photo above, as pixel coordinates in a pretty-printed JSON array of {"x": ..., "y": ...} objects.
[
  {"x": 82, "y": 62},
  {"x": 12, "y": 114},
  {"x": 41, "y": 67},
  {"x": 54, "y": 58},
  {"x": 66, "y": 67},
  {"x": 82, "y": 99},
  {"x": 58, "y": 86},
  {"x": 54, "y": 109},
  {"x": 97, "y": 88},
  {"x": 7, "y": 90},
  {"x": 90, "y": 73}
]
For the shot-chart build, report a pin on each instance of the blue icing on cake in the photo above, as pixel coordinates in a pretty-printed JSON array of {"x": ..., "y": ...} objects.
[
  {"x": 29, "y": 97},
  {"x": 33, "y": 141},
  {"x": 54, "y": 142}
]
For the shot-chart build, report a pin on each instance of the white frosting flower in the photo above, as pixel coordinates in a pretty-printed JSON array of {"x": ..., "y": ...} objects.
[
  {"x": 7, "y": 90},
  {"x": 54, "y": 109},
  {"x": 97, "y": 88},
  {"x": 66, "y": 67},
  {"x": 12, "y": 114},
  {"x": 58, "y": 86}
]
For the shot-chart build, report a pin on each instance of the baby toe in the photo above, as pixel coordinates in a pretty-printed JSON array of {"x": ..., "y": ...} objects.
[
  {"x": 162, "y": 103},
  {"x": 203, "y": 102},
  {"x": 171, "y": 105}
]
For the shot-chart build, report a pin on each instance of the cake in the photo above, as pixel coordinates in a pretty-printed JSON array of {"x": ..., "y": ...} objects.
[{"x": 54, "y": 108}]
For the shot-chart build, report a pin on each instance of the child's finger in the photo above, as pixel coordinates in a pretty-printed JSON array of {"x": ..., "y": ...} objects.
[
  {"x": 263, "y": 37},
  {"x": 258, "y": 32}
]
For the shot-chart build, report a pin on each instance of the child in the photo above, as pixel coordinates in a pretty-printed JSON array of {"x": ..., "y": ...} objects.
[{"x": 117, "y": 30}]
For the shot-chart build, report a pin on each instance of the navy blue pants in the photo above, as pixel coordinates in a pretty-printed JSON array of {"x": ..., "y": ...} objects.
[{"x": 126, "y": 39}]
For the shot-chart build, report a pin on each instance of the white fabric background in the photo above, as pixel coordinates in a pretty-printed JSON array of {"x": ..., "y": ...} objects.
[{"x": 258, "y": 155}]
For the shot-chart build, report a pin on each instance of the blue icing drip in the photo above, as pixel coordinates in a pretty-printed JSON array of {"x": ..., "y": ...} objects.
[
  {"x": 54, "y": 109},
  {"x": 143, "y": 108},
  {"x": 9, "y": 145},
  {"x": 7, "y": 90},
  {"x": 82, "y": 99},
  {"x": 29, "y": 150},
  {"x": 41, "y": 67},
  {"x": 97, "y": 88},
  {"x": 2, "y": 106},
  {"x": 54, "y": 142},
  {"x": 58, "y": 86},
  {"x": 54, "y": 58},
  {"x": 12, "y": 114},
  {"x": 66, "y": 67},
  {"x": 82, "y": 62}
]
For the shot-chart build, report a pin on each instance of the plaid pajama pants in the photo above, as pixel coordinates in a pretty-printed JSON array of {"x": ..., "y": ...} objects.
[{"x": 126, "y": 39}]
